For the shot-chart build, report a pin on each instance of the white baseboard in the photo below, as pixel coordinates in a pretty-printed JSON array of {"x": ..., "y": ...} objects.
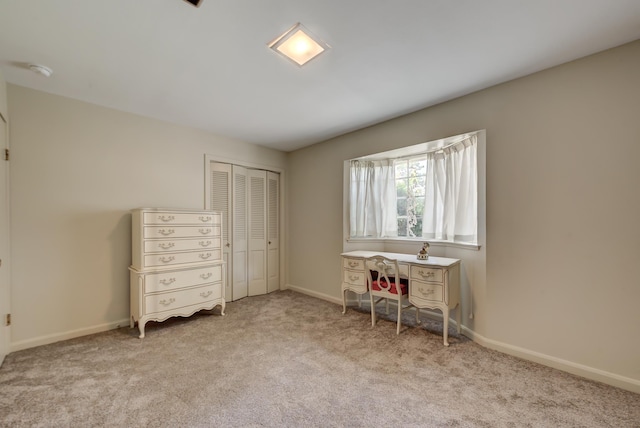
[
  {"x": 587, "y": 372},
  {"x": 72, "y": 334},
  {"x": 321, "y": 296},
  {"x": 591, "y": 373}
]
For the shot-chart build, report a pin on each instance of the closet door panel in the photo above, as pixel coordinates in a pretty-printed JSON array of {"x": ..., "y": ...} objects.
[
  {"x": 240, "y": 241},
  {"x": 257, "y": 232},
  {"x": 220, "y": 197},
  {"x": 273, "y": 231}
]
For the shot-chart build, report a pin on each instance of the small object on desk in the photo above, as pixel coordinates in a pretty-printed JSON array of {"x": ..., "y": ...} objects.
[{"x": 424, "y": 252}]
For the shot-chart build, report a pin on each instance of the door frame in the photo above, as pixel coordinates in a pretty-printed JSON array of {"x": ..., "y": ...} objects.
[
  {"x": 282, "y": 189},
  {"x": 5, "y": 289}
]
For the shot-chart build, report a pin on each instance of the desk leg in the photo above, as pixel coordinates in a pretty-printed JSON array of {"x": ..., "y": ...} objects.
[
  {"x": 445, "y": 326},
  {"x": 459, "y": 316},
  {"x": 344, "y": 301}
]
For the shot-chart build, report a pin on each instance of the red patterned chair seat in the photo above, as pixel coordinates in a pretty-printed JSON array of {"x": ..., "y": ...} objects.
[{"x": 393, "y": 289}]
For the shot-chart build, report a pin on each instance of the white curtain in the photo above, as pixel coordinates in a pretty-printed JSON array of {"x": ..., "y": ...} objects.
[
  {"x": 373, "y": 205},
  {"x": 451, "y": 198}
]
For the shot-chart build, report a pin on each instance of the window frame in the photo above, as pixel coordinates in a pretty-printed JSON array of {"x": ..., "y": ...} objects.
[{"x": 415, "y": 151}]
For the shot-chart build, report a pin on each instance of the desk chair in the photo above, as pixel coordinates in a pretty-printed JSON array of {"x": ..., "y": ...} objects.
[{"x": 385, "y": 284}]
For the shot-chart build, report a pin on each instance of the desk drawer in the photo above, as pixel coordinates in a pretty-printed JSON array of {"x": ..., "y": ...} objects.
[
  {"x": 428, "y": 292},
  {"x": 353, "y": 264},
  {"x": 427, "y": 274},
  {"x": 354, "y": 277}
]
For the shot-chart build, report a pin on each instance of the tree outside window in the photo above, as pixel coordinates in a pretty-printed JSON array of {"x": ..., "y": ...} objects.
[{"x": 410, "y": 186}]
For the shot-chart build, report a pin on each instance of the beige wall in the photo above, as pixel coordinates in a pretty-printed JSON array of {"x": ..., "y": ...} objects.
[
  {"x": 563, "y": 206},
  {"x": 76, "y": 171},
  {"x": 3, "y": 96}
]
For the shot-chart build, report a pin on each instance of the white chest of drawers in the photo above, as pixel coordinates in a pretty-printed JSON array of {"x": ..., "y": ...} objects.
[
  {"x": 177, "y": 267},
  {"x": 433, "y": 283}
]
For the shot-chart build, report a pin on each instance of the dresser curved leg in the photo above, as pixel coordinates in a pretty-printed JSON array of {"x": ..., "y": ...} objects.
[
  {"x": 141, "y": 328},
  {"x": 222, "y": 306},
  {"x": 344, "y": 302},
  {"x": 445, "y": 327}
]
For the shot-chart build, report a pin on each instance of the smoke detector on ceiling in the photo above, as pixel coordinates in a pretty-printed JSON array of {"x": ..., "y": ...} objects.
[{"x": 41, "y": 69}]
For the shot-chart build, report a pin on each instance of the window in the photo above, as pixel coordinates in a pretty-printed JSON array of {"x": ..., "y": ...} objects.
[
  {"x": 411, "y": 175},
  {"x": 429, "y": 191}
]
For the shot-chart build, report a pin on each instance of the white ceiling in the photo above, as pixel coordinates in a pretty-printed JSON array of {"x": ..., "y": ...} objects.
[{"x": 210, "y": 67}]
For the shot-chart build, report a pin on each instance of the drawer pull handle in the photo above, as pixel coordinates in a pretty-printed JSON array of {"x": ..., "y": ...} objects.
[
  {"x": 206, "y": 275},
  {"x": 205, "y": 219},
  {"x": 426, "y": 274},
  {"x": 204, "y": 231},
  {"x": 167, "y": 259},
  {"x": 427, "y": 293},
  {"x": 166, "y": 232},
  {"x": 164, "y": 302},
  {"x": 353, "y": 277},
  {"x": 166, "y": 245},
  {"x": 204, "y": 256},
  {"x": 207, "y": 294},
  {"x": 353, "y": 264},
  {"x": 167, "y": 281},
  {"x": 204, "y": 243},
  {"x": 166, "y": 218}
]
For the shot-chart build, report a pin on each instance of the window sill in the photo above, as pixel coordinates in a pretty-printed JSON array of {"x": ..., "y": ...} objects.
[{"x": 432, "y": 243}]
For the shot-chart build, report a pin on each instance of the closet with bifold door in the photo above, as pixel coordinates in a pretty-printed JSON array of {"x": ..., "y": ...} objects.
[{"x": 249, "y": 200}]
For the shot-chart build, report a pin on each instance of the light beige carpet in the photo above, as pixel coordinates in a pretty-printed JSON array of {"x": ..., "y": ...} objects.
[{"x": 286, "y": 359}]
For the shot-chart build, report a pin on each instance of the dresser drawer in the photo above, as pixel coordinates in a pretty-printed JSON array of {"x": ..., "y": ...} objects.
[
  {"x": 167, "y": 281},
  {"x": 425, "y": 291},
  {"x": 172, "y": 259},
  {"x": 180, "y": 299},
  {"x": 427, "y": 274},
  {"x": 354, "y": 264},
  {"x": 206, "y": 231},
  {"x": 167, "y": 245},
  {"x": 170, "y": 217}
]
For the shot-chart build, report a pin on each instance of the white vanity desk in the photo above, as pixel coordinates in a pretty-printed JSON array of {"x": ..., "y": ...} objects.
[{"x": 433, "y": 283}]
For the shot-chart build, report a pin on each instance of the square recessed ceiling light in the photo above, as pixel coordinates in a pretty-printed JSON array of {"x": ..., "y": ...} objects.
[{"x": 298, "y": 45}]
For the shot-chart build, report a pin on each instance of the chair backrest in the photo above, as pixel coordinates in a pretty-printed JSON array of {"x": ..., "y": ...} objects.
[{"x": 385, "y": 270}]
